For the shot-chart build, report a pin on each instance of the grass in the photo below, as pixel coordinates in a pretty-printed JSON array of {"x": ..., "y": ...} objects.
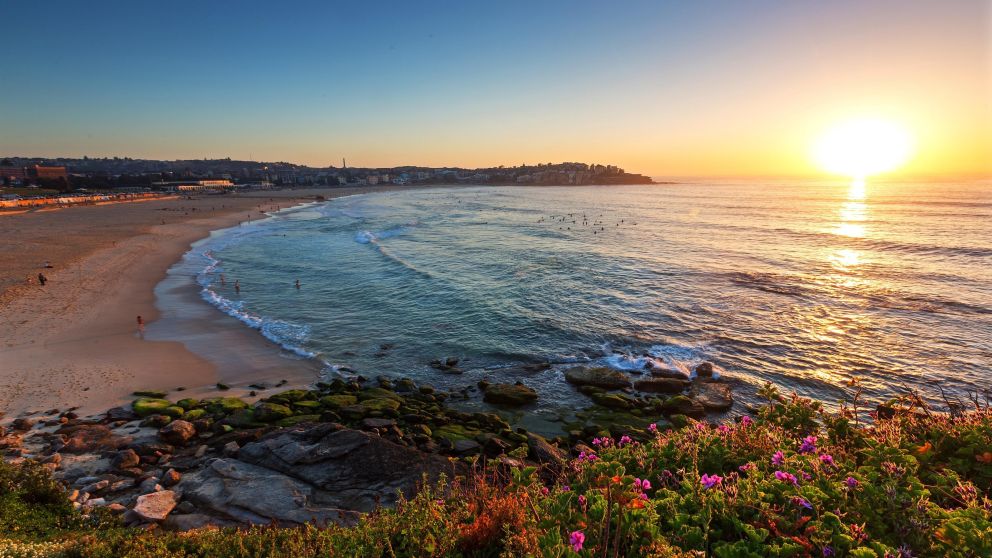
[{"x": 793, "y": 480}]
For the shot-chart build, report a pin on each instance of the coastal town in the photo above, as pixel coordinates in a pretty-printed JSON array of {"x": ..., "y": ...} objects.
[{"x": 23, "y": 177}]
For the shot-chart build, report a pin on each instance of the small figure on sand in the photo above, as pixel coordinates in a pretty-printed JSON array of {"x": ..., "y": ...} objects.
[
  {"x": 297, "y": 284},
  {"x": 42, "y": 279},
  {"x": 48, "y": 265},
  {"x": 141, "y": 327},
  {"x": 237, "y": 286}
]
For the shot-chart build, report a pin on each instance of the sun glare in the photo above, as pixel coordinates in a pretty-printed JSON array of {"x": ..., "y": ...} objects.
[{"x": 861, "y": 148}]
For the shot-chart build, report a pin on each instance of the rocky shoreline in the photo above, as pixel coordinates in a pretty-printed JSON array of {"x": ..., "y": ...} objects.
[{"x": 327, "y": 454}]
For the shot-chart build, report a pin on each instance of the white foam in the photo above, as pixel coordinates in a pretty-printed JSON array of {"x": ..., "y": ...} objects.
[{"x": 287, "y": 335}]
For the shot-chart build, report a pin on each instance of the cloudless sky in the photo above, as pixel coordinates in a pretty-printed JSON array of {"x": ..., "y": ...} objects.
[{"x": 662, "y": 88}]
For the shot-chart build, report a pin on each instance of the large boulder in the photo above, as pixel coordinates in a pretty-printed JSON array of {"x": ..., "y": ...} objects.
[
  {"x": 147, "y": 406},
  {"x": 178, "y": 432},
  {"x": 544, "y": 452},
  {"x": 509, "y": 394},
  {"x": 600, "y": 376},
  {"x": 356, "y": 470},
  {"x": 661, "y": 385},
  {"x": 252, "y": 494},
  {"x": 155, "y": 506}
]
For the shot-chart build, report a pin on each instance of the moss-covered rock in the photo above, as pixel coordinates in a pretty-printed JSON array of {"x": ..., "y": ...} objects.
[
  {"x": 293, "y": 395},
  {"x": 379, "y": 393},
  {"x": 151, "y": 394},
  {"x": 271, "y": 412},
  {"x": 512, "y": 395},
  {"x": 147, "y": 406},
  {"x": 338, "y": 401},
  {"x": 455, "y": 432},
  {"x": 174, "y": 411},
  {"x": 613, "y": 401},
  {"x": 225, "y": 405},
  {"x": 682, "y": 405},
  {"x": 306, "y": 407},
  {"x": 195, "y": 414},
  {"x": 188, "y": 403},
  {"x": 382, "y": 404},
  {"x": 293, "y": 421},
  {"x": 156, "y": 421}
]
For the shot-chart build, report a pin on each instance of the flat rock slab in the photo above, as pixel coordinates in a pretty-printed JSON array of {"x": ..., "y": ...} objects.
[
  {"x": 356, "y": 470},
  {"x": 251, "y": 494},
  {"x": 91, "y": 438},
  {"x": 156, "y": 506},
  {"x": 509, "y": 394}
]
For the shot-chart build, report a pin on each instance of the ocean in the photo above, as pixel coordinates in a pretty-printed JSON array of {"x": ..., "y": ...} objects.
[{"x": 803, "y": 284}]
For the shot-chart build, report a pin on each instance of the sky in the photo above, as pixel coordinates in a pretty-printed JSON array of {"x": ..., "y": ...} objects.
[{"x": 660, "y": 88}]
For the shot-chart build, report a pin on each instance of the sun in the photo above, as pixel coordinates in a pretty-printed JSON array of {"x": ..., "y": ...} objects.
[{"x": 861, "y": 148}]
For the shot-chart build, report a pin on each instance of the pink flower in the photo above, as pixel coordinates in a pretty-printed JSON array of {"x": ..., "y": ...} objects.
[
  {"x": 701, "y": 426},
  {"x": 625, "y": 439},
  {"x": 746, "y": 467},
  {"x": 723, "y": 428},
  {"x": 576, "y": 539},
  {"x": 851, "y": 482},
  {"x": 709, "y": 481},
  {"x": 746, "y": 421},
  {"x": 545, "y": 491},
  {"x": 808, "y": 445},
  {"x": 827, "y": 459},
  {"x": 642, "y": 485},
  {"x": 653, "y": 427},
  {"x": 582, "y": 501},
  {"x": 786, "y": 477},
  {"x": 778, "y": 458}
]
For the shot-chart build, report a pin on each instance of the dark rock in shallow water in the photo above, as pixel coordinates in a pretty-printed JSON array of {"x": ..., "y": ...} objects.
[
  {"x": 509, "y": 394},
  {"x": 601, "y": 377},
  {"x": 713, "y": 396},
  {"x": 661, "y": 385},
  {"x": 356, "y": 469},
  {"x": 704, "y": 370},
  {"x": 123, "y": 412}
]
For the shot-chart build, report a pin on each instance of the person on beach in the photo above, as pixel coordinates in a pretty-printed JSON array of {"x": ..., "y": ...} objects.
[
  {"x": 42, "y": 279},
  {"x": 141, "y": 327}
]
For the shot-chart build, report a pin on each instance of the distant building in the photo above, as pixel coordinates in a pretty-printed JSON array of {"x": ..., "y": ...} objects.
[{"x": 48, "y": 173}]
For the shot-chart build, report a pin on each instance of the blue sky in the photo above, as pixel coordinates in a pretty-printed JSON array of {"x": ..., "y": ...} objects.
[{"x": 654, "y": 86}]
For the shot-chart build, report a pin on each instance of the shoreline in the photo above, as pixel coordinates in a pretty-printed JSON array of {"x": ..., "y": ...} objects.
[{"x": 74, "y": 341}]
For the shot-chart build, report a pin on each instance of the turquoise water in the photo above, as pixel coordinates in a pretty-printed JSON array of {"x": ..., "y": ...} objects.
[{"x": 803, "y": 284}]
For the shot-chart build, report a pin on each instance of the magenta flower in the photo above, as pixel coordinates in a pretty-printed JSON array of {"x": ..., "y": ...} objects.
[
  {"x": 709, "y": 481},
  {"x": 827, "y": 459},
  {"x": 746, "y": 467},
  {"x": 653, "y": 427},
  {"x": 786, "y": 477},
  {"x": 576, "y": 539},
  {"x": 778, "y": 458},
  {"x": 808, "y": 445},
  {"x": 625, "y": 439},
  {"x": 851, "y": 482},
  {"x": 801, "y": 502},
  {"x": 545, "y": 491},
  {"x": 746, "y": 421},
  {"x": 642, "y": 485},
  {"x": 582, "y": 501},
  {"x": 701, "y": 426},
  {"x": 723, "y": 428},
  {"x": 566, "y": 488}
]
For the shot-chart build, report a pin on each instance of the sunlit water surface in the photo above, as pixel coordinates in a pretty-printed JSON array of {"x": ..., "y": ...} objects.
[{"x": 803, "y": 284}]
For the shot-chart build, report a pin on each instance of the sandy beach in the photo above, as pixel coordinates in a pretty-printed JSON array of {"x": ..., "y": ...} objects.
[{"x": 74, "y": 342}]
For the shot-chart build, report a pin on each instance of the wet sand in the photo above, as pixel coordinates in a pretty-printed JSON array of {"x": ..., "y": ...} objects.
[{"x": 75, "y": 343}]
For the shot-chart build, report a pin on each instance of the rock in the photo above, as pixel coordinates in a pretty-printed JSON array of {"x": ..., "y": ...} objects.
[
  {"x": 223, "y": 387},
  {"x": 95, "y": 487},
  {"x": 125, "y": 459},
  {"x": 116, "y": 508},
  {"x": 466, "y": 447},
  {"x": 704, "y": 370},
  {"x": 613, "y": 401},
  {"x": 354, "y": 470},
  {"x": 682, "y": 405},
  {"x": 95, "y": 502},
  {"x": 54, "y": 459},
  {"x": 187, "y": 403},
  {"x": 249, "y": 493},
  {"x": 22, "y": 424},
  {"x": 271, "y": 412},
  {"x": 156, "y": 505},
  {"x": 602, "y": 377},
  {"x": 156, "y": 421},
  {"x": 150, "y": 484},
  {"x": 509, "y": 394},
  {"x": 338, "y": 401},
  {"x": 543, "y": 452},
  {"x": 123, "y": 412},
  {"x": 146, "y": 406},
  {"x": 661, "y": 385},
  {"x": 170, "y": 478},
  {"x": 231, "y": 449},
  {"x": 178, "y": 432},
  {"x": 201, "y": 451},
  {"x": 451, "y": 362},
  {"x": 713, "y": 396},
  {"x": 377, "y": 423},
  {"x": 91, "y": 438},
  {"x": 225, "y": 405}
]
